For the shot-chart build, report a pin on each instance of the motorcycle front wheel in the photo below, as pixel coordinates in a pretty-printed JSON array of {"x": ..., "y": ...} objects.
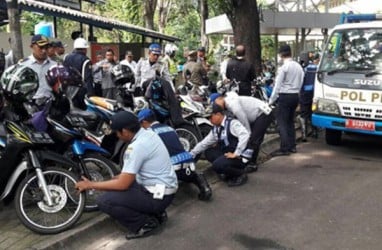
[{"x": 33, "y": 209}]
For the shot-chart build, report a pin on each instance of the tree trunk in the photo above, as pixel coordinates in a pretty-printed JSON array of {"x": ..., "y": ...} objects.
[
  {"x": 203, "y": 17},
  {"x": 149, "y": 11},
  {"x": 246, "y": 29},
  {"x": 15, "y": 27},
  {"x": 164, "y": 7}
]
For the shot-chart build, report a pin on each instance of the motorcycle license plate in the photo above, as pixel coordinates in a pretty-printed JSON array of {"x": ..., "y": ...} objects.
[{"x": 359, "y": 124}]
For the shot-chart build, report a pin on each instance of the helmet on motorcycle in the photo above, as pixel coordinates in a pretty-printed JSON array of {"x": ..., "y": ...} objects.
[
  {"x": 19, "y": 83},
  {"x": 122, "y": 74},
  {"x": 182, "y": 90},
  {"x": 155, "y": 48},
  {"x": 59, "y": 77}
]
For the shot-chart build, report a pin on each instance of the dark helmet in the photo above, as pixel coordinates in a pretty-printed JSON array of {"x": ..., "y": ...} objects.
[
  {"x": 122, "y": 74},
  {"x": 19, "y": 83},
  {"x": 59, "y": 77}
]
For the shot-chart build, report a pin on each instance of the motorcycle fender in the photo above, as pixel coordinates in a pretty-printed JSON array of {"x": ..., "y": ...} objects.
[
  {"x": 23, "y": 166},
  {"x": 80, "y": 148},
  {"x": 202, "y": 120},
  {"x": 55, "y": 157}
]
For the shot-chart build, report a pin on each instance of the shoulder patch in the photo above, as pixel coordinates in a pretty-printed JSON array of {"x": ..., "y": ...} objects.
[{"x": 24, "y": 60}]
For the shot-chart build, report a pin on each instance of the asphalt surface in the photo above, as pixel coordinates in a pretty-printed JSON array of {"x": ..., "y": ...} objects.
[
  {"x": 322, "y": 197},
  {"x": 13, "y": 235}
]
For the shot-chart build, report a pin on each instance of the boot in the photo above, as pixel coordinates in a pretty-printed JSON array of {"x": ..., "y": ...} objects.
[
  {"x": 205, "y": 191},
  {"x": 303, "y": 128}
]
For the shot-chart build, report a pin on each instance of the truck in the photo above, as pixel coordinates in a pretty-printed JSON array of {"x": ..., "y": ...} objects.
[{"x": 348, "y": 83}]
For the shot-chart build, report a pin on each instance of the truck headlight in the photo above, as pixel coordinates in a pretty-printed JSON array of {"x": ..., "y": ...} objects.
[{"x": 326, "y": 106}]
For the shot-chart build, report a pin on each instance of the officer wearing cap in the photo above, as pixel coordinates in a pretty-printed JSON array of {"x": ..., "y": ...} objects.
[
  {"x": 288, "y": 83},
  {"x": 148, "y": 68},
  {"x": 194, "y": 71},
  {"x": 59, "y": 50},
  {"x": 254, "y": 114},
  {"x": 79, "y": 60},
  {"x": 306, "y": 98},
  {"x": 137, "y": 197},
  {"x": 180, "y": 158},
  {"x": 40, "y": 63},
  {"x": 224, "y": 145}
]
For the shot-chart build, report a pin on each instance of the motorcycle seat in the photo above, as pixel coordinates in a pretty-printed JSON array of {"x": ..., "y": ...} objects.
[
  {"x": 109, "y": 104},
  {"x": 84, "y": 114}
]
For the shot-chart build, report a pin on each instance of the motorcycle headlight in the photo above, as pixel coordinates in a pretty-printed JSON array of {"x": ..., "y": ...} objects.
[{"x": 326, "y": 106}]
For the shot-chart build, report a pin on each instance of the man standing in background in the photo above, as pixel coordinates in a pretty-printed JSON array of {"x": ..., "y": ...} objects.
[
  {"x": 288, "y": 83},
  {"x": 129, "y": 61},
  {"x": 242, "y": 71},
  {"x": 79, "y": 60}
]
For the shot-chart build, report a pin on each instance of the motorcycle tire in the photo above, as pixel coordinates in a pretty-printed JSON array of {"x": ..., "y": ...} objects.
[
  {"x": 188, "y": 136},
  {"x": 100, "y": 169},
  {"x": 204, "y": 129},
  {"x": 32, "y": 208}
]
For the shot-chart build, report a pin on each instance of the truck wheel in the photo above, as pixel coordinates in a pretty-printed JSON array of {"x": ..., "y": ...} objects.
[{"x": 333, "y": 137}]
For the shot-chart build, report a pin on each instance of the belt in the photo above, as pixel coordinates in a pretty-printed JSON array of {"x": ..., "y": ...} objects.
[
  {"x": 288, "y": 93},
  {"x": 167, "y": 191}
]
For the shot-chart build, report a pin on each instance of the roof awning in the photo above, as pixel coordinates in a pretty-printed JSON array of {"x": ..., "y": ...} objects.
[{"x": 91, "y": 19}]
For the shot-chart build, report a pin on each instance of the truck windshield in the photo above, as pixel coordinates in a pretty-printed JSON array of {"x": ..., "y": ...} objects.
[{"x": 353, "y": 50}]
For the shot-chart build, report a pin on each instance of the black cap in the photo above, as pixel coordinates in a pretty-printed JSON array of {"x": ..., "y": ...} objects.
[
  {"x": 123, "y": 119},
  {"x": 58, "y": 44},
  {"x": 214, "y": 109},
  {"x": 285, "y": 49},
  {"x": 40, "y": 40},
  {"x": 203, "y": 49}
]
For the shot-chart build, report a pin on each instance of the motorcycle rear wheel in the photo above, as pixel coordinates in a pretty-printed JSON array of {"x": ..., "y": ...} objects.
[
  {"x": 100, "y": 169},
  {"x": 33, "y": 210},
  {"x": 188, "y": 136}
]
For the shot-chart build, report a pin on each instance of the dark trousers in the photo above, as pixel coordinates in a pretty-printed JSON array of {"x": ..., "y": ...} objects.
[
  {"x": 287, "y": 104},
  {"x": 258, "y": 130},
  {"x": 132, "y": 207},
  {"x": 221, "y": 165},
  {"x": 185, "y": 176}
]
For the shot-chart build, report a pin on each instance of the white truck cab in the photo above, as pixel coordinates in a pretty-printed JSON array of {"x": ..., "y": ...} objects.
[{"x": 348, "y": 84}]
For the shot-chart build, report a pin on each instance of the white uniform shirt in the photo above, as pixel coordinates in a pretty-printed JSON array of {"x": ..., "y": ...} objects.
[
  {"x": 147, "y": 72},
  {"x": 147, "y": 157},
  {"x": 289, "y": 79},
  {"x": 44, "y": 90},
  {"x": 236, "y": 129}
]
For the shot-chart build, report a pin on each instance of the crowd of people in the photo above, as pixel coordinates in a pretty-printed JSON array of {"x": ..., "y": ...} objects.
[{"x": 155, "y": 160}]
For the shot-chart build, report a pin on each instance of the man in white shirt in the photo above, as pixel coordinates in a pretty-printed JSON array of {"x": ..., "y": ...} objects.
[
  {"x": 128, "y": 61},
  {"x": 289, "y": 79}
]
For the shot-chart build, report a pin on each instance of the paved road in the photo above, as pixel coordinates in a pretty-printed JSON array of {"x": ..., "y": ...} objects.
[{"x": 320, "y": 198}]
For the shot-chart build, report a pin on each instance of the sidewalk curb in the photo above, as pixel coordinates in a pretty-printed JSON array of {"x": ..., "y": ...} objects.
[{"x": 103, "y": 224}]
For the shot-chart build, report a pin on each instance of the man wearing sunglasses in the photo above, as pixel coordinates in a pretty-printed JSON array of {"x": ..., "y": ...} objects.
[{"x": 40, "y": 63}]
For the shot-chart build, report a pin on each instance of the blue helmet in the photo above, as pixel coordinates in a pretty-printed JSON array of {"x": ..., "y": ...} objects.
[{"x": 155, "y": 48}]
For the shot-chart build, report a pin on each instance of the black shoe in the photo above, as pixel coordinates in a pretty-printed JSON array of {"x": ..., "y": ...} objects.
[
  {"x": 223, "y": 177},
  {"x": 238, "y": 181},
  {"x": 205, "y": 191},
  {"x": 279, "y": 153},
  {"x": 148, "y": 229},
  {"x": 161, "y": 217},
  {"x": 293, "y": 150},
  {"x": 251, "y": 168}
]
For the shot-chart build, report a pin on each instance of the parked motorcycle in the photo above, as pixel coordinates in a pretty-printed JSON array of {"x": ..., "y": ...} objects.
[
  {"x": 52, "y": 118},
  {"x": 43, "y": 190}
]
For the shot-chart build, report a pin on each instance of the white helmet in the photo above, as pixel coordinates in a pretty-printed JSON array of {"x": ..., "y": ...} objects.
[
  {"x": 170, "y": 48},
  {"x": 80, "y": 43}
]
